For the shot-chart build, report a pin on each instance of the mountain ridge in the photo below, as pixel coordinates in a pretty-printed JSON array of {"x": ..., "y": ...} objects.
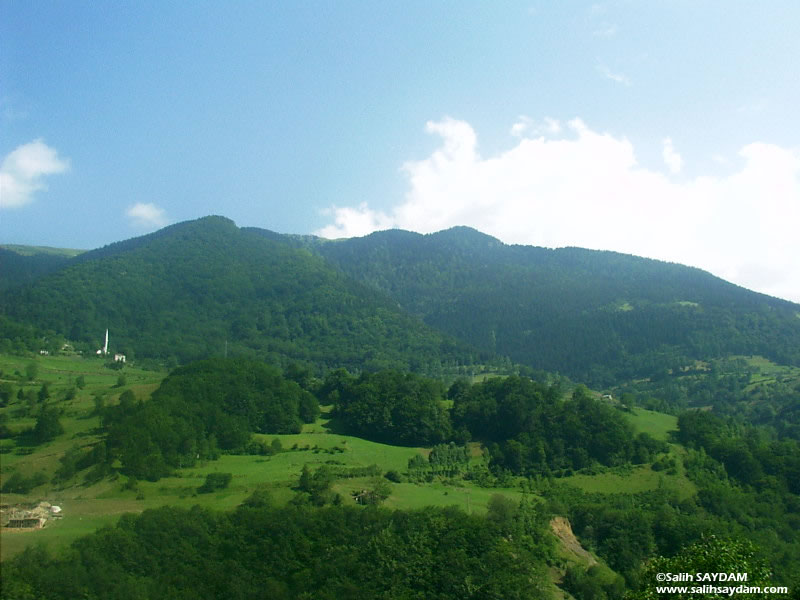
[
  {"x": 597, "y": 316},
  {"x": 195, "y": 288}
]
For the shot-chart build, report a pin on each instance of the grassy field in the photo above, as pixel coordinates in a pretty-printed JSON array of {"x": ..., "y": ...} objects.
[
  {"x": 657, "y": 424},
  {"x": 87, "y": 507},
  {"x": 33, "y": 250},
  {"x": 769, "y": 372},
  {"x": 641, "y": 478}
]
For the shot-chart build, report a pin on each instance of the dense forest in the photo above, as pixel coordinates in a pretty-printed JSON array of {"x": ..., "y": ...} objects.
[
  {"x": 527, "y": 428},
  {"x": 215, "y": 405},
  {"x": 201, "y": 288},
  {"x": 379, "y": 332},
  {"x": 199, "y": 411},
  {"x": 599, "y": 317},
  {"x": 393, "y": 299},
  {"x": 21, "y": 269},
  {"x": 294, "y": 552}
]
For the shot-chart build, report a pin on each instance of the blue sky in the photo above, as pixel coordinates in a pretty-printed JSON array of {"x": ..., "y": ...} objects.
[{"x": 663, "y": 129}]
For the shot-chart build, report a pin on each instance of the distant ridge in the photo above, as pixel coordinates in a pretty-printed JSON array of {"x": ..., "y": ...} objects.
[
  {"x": 399, "y": 298},
  {"x": 596, "y": 315},
  {"x": 192, "y": 289}
]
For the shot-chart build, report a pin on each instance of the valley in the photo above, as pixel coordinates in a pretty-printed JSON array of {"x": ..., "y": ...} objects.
[{"x": 591, "y": 410}]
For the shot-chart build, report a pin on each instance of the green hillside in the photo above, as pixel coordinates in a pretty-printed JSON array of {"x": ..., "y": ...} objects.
[
  {"x": 705, "y": 477},
  {"x": 206, "y": 288},
  {"x": 393, "y": 298},
  {"x": 600, "y": 317},
  {"x": 20, "y": 265}
]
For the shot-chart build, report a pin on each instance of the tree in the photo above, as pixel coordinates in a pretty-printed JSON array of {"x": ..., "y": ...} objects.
[
  {"x": 31, "y": 371},
  {"x": 215, "y": 481},
  {"x": 44, "y": 393},
  {"x": 709, "y": 555},
  {"x": 47, "y": 425},
  {"x": 306, "y": 482},
  {"x": 501, "y": 511},
  {"x": 6, "y": 393}
]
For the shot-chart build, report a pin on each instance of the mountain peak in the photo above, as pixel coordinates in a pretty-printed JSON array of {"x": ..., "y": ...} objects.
[{"x": 464, "y": 237}]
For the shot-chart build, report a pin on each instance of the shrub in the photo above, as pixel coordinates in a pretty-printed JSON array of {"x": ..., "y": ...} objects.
[{"x": 215, "y": 481}]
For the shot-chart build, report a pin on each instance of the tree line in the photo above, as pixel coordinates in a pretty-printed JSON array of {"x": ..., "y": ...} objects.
[{"x": 527, "y": 427}]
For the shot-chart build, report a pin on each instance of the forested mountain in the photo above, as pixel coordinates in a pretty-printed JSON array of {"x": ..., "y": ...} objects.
[
  {"x": 190, "y": 290},
  {"x": 597, "y": 316},
  {"x": 203, "y": 288},
  {"x": 23, "y": 265}
]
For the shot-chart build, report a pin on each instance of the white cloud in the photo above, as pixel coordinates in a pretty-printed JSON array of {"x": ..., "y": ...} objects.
[
  {"x": 603, "y": 69},
  {"x": 528, "y": 127},
  {"x": 587, "y": 189},
  {"x": 354, "y": 222},
  {"x": 146, "y": 215},
  {"x": 672, "y": 159},
  {"x": 23, "y": 171}
]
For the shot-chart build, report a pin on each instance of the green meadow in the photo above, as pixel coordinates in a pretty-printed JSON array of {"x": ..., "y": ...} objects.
[
  {"x": 658, "y": 425},
  {"x": 87, "y": 507}
]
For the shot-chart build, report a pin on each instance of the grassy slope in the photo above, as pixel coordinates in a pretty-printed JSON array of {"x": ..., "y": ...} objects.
[
  {"x": 641, "y": 478},
  {"x": 89, "y": 507},
  {"x": 33, "y": 250}
]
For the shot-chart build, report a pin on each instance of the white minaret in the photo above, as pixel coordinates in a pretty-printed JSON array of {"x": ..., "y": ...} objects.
[{"x": 105, "y": 348}]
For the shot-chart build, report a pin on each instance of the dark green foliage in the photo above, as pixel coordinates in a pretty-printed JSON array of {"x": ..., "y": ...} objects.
[
  {"x": 393, "y": 476},
  {"x": 592, "y": 584},
  {"x": 18, "y": 483},
  {"x": 256, "y": 552},
  {"x": 378, "y": 491},
  {"x": 317, "y": 485},
  {"x": 444, "y": 460},
  {"x": 709, "y": 555},
  {"x": 501, "y": 511},
  {"x": 214, "y": 482},
  {"x": 201, "y": 288},
  {"x": 6, "y": 393},
  {"x": 747, "y": 455},
  {"x": 391, "y": 407},
  {"x": 529, "y": 429},
  {"x": 71, "y": 462},
  {"x": 261, "y": 498},
  {"x": 47, "y": 425},
  {"x": 626, "y": 530},
  {"x": 597, "y": 316},
  {"x": 31, "y": 371},
  {"x": 200, "y": 409},
  {"x": 20, "y": 268}
]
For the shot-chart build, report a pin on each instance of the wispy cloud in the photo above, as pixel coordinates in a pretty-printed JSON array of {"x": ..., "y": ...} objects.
[
  {"x": 603, "y": 69},
  {"x": 526, "y": 126},
  {"x": 147, "y": 216},
  {"x": 23, "y": 171},
  {"x": 585, "y": 188}
]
